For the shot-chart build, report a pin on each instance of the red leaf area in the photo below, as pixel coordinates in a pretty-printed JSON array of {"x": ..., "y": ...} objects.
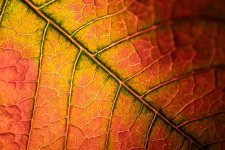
[
  {"x": 18, "y": 82},
  {"x": 112, "y": 74}
]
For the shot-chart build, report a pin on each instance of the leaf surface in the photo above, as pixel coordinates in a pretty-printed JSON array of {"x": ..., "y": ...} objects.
[{"x": 118, "y": 74}]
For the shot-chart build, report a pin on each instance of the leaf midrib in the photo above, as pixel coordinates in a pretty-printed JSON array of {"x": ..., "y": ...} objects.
[
  {"x": 91, "y": 56},
  {"x": 83, "y": 49}
]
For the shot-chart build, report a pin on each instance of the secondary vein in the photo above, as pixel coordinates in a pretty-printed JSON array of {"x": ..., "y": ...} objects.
[
  {"x": 69, "y": 99},
  {"x": 110, "y": 117},
  {"x": 3, "y": 9},
  {"x": 38, "y": 81}
]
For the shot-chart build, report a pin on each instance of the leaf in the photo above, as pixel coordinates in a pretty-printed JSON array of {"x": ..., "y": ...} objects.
[{"x": 118, "y": 74}]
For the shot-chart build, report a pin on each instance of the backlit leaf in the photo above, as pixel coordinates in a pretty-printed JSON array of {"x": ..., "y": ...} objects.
[{"x": 112, "y": 74}]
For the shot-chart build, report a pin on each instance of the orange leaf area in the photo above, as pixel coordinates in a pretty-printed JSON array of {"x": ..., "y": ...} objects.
[{"x": 112, "y": 74}]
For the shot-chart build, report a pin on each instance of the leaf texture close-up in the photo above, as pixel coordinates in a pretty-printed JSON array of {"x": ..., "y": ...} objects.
[{"x": 112, "y": 74}]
